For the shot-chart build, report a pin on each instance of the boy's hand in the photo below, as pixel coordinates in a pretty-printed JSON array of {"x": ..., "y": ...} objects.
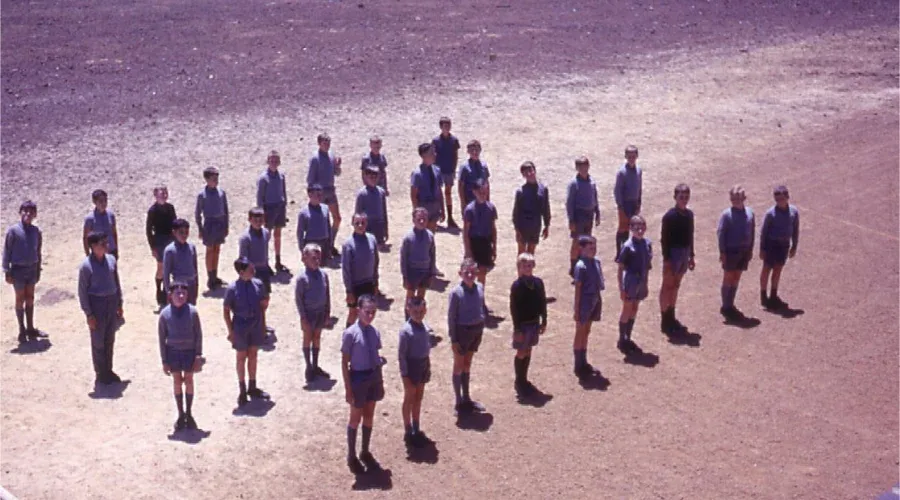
[
  {"x": 597, "y": 221},
  {"x": 120, "y": 313},
  {"x": 198, "y": 364},
  {"x": 443, "y": 216},
  {"x": 92, "y": 323},
  {"x": 348, "y": 395},
  {"x": 762, "y": 255},
  {"x": 154, "y": 253},
  {"x": 456, "y": 349},
  {"x": 691, "y": 264},
  {"x": 575, "y": 316},
  {"x": 351, "y": 299},
  {"x": 623, "y": 295},
  {"x": 494, "y": 253},
  {"x": 792, "y": 253},
  {"x": 722, "y": 258},
  {"x": 305, "y": 326},
  {"x": 546, "y": 233},
  {"x": 231, "y": 335},
  {"x": 572, "y": 227},
  {"x": 166, "y": 369},
  {"x": 543, "y": 329},
  {"x": 9, "y": 279}
]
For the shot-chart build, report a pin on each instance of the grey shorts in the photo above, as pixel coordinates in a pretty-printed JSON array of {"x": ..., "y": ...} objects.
[
  {"x": 160, "y": 242},
  {"x": 214, "y": 230},
  {"x": 527, "y": 337},
  {"x": 329, "y": 196},
  {"x": 316, "y": 319},
  {"x": 469, "y": 337},
  {"x": 631, "y": 208},
  {"x": 776, "y": 253},
  {"x": 530, "y": 233},
  {"x": 276, "y": 215},
  {"x": 584, "y": 224},
  {"x": 378, "y": 229},
  {"x": 419, "y": 370},
  {"x": 24, "y": 276},
  {"x": 448, "y": 179},
  {"x": 678, "y": 260},
  {"x": 418, "y": 279},
  {"x": 248, "y": 332},
  {"x": 591, "y": 309},
  {"x": 635, "y": 286},
  {"x": 434, "y": 209},
  {"x": 737, "y": 260},
  {"x": 367, "y": 386},
  {"x": 180, "y": 360}
]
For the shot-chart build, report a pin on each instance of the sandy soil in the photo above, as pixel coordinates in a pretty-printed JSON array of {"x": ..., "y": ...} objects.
[{"x": 120, "y": 97}]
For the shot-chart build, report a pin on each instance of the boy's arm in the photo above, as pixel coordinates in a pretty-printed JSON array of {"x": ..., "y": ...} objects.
[
  {"x": 198, "y": 335},
  {"x": 149, "y": 228},
  {"x": 346, "y": 268},
  {"x": 115, "y": 230},
  {"x": 261, "y": 191},
  {"x": 596, "y": 207},
  {"x": 7, "y": 250},
  {"x": 194, "y": 258},
  {"x": 402, "y": 351},
  {"x": 312, "y": 174},
  {"x": 619, "y": 190},
  {"x": 752, "y": 232},
  {"x": 494, "y": 232},
  {"x": 440, "y": 181},
  {"x": 284, "y": 187},
  {"x": 377, "y": 260},
  {"x": 432, "y": 254},
  {"x": 198, "y": 214},
  {"x": 795, "y": 234},
  {"x": 545, "y": 209},
  {"x": 301, "y": 228},
  {"x": 577, "y": 298},
  {"x": 515, "y": 210},
  {"x": 225, "y": 208},
  {"x": 467, "y": 225},
  {"x": 162, "y": 332},
  {"x": 461, "y": 187},
  {"x": 404, "y": 259},
  {"x": 167, "y": 268},
  {"x": 722, "y": 232},
  {"x": 514, "y": 306},
  {"x": 764, "y": 232},
  {"x": 570, "y": 202},
  {"x": 542, "y": 293},
  {"x": 691, "y": 231},
  {"x": 664, "y": 236},
  {"x": 327, "y": 297},
  {"x": 384, "y": 210},
  {"x": 229, "y": 324},
  {"x": 120, "y": 293},
  {"x": 452, "y": 310},
  {"x": 84, "y": 235},
  {"x": 84, "y": 281},
  {"x": 345, "y": 373},
  {"x": 358, "y": 206},
  {"x": 299, "y": 293}
]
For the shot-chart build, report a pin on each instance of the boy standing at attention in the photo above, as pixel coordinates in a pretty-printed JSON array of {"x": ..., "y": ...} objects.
[
  {"x": 100, "y": 297},
  {"x": 629, "y": 185},
  {"x": 472, "y": 171},
  {"x": 22, "y": 266},
  {"x": 372, "y": 201},
  {"x": 376, "y": 159},
  {"x": 588, "y": 302},
  {"x": 211, "y": 216},
  {"x": 736, "y": 232},
  {"x": 465, "y": 327},
  {"x": 181, "y": 350},
  {"x": 413, "y": 352},
  {"x": 531, "y": 207},
  {"x": 635, "y": 261},
  {"x": 102, "y": 220},
  {"x": 480, "y": 231},
  {"x": 312, "y": 295},
  {"x": 359, "y": 265},
  {"x": 180, "y": 261},
  {"x": 271, "y": 196},
  {"x": 418, "y": 256},
  {"x": 777, "y": 242},
  {"x": 528, "y": 309},
  {"x": 323, "y": 168},
  {"x": 582, "y": 207},
  {"x": 160, "y": 217},
  {"x": 314, "y": 223},
  {"x": 425, "y": 187},
  {"x": 677, "y": 242},
  {"x": 244, "y": 309},
  {"x": 446, "y": 148},
  {"x": 254, "y": 245}
]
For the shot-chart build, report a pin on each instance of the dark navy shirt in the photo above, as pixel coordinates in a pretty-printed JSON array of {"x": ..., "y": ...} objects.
[
  {"x": 22, "y": 246},
  {"x": 481, "y": 217},
  {"x": 677, "y": 231},
  {"x": 244, "y": 298},
  {"x": 470, "y": 172},
  {"x": 414, "y": 344},
  {"x": 781, "y": 226},
  {"x": 102, "y": 222},
  {"x": 254, "y": 245},
  {"x": 447, "y": 153},
  {"x": 532, "y": 204},
  {"x": 428, "y": 180},
  {"x": 179, "y": 328},
  {"x": 313, "y": 224},
  {"x": 589, "y": 273},
  {"x": 581, "y": 197}
]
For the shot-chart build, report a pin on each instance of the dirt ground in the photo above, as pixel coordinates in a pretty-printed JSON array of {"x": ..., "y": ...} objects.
[{"x": 120, "y": 96}]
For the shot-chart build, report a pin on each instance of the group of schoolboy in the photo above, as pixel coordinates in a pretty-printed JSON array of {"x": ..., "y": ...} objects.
[{"x": 246, "y": 299}]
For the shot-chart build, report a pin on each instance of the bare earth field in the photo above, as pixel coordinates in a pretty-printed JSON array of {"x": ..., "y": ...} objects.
[{"x": 119, "y": 96}]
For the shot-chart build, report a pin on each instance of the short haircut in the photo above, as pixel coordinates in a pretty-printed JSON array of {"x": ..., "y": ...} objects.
[
  {"x": 443, "y": 120},
  {"x": 480, "y": 183},
  {"x": 527, "y": 166},
  {"x": 682, "y": 188},
  {"x": 273, "y": 154},
  {"x": 364, "y": 300},
  {"x": 256, "y": 212},
  {"x": 637, "y": 219},
  {"x": 525, "y": 257},
  {"x": 95, "y": 237},
  {"x": 28, "y": 205},
  {"x": 467, "y": 263},
  {"x": 160, "y": 188},
  {"x": 780, "y": 189},
  {"x": 631, "y": 148},
  {"x": 310, "y": 248},
  {"x": 375, "y": 139},
  {"x": 736, "y": 190},
  {"x": 473, "y": 144},
  {"x": 97, "y": 194},
  {"x": 585, "y": 240},
  {"x": 424, "y": 148},
  {"x": 582, "y": 160},
  {"x": 415, "y": 301},
  {"x": 180, "y": 223},
  {"x": 314, "y": 187},
  {"x": 360, "y": 215},
  {"x": 210, "y": 172},
  {"x": 178, "y": 284},
  {"x": 323, "y": 137},
  {"x": 423, "y": 210},
  {"x": 241, "y": 264}
]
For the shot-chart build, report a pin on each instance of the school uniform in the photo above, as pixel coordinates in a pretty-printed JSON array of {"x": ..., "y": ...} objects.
[
  {"x": 312, "y": 296},
  {"x": 427, "y": 180},
  {"x": 314, "y": 226},
  {"x": 211, "y": 215},
  {"x": 677, "y": 239},
  {"x": 100, "y": 296},
  {"x": 359, "y": 265},
  {"x": 254, "y": 245},
  {"x": 362, "y": 343},
  {"x": 180, "y": 337},
  {"x": 180, "y": 264},
  {"x": 589, "y": 273},
  {"x": 736, "y": 232},
  {"x": 244, "y": 298},
  {"x": 481, "y": 218},
  {"x": 271, "y": 196},
  {"x": 372, "y": 201},
  {"x": 379, "y": 161},
  {"x": 322, "y": 171},
  {"x": 465, "y": 317},
  {"x": 528, "y": 309},
  {"x": 469, "y": 173},
  {"x": 159, "y": 227},
  {"x": 530, "y": 208},
  {"x": 637, "y": 257},
  {"x": 418, "y": 258},
  {"x": 446, "y": 151},
  {"x": 629, "y": 186},
  {"x": 780, "y": 232},
  {"x": 582, "y": 205},
  {"x": 22, "y": 254},
  {"x": 414, "y": 352},
  {"x": 103, "y": 222}
]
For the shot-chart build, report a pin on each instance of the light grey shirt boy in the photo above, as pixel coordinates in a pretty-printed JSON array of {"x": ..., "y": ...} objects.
[
  {"x": 359, "y": 260},
  {"x": 97, "y": 277},
  {"x": 362, "y": 343},
  {"x": 466, "y": 308},
  {"x": 179, "y": 328},
  {"x": 414, "y": 344}
]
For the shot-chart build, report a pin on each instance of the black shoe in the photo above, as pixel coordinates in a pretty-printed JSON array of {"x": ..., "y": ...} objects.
[
  {"x": 257, "y": 393},
  {"x": 335, "y": 253},
  {"x": 321, "y": 373},
  {"x": 279, "y": 267},
  {"x": 310, "y": 375},
  {"x": 210, "y": 284},
  {"x": 677, "y": 327},
  {"x": 113, "y": 378},
  {"x": 368, "y": 459},
  {"x": 34, "y": 333},
  {"x": 530, "y": 389},
  {"x": 355, "y": 465},
  {"x": 179, "y": 424},
  {"x": 218, "y": 282},
  {"x": 475, "y": 405},
  {"x": 420, "y": 440},
  {"x": 160, "y": 298},
  {"x": 727, "y": 312},
  {"x": 775, "y": 302},
  {"x": 737, "y": 315},
  {"x": 451, "y": 223},
  {"x": 764, "y": 300},
  {"x": 462, "y": 408},
  {"x": 408, "y": 438},
  {"x": 242, "y": 399},
  {"x": 23, "y": 337},
  {"x": 189, "y": 422}
]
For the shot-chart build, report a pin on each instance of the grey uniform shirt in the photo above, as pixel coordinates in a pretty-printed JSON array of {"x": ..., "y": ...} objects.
[
  {"x": 589, "y": 273},
  {"x": 629, "y": 183},
  {"x": 359, "y": 260},
  {"x": 636, "y": 256},
  {"x": 211, "y": 204},
  {"x": 531, "y": 206},
  {"x": 372, "y": 201},
  {"x": 22, "y": 246},
  {"x": 179, "y": 328},
  {"x": 418, "y": 253},
  {"x": 99, "y": 278},
  {"x": 736, "y": 230},
  {"x": 427, "y": 179},
  {"x": 321, "y": 170},
  {"x": 179, "y": 263},
  {"x": 362, "y": 343},
  {"x": 481, "y": 217},
  {"x": 255, "y": 246},
  {"x": 243, "y": 297},
  {"x": 313, "y": 224},
  {"x": 312, "y": 293},
  {"x": 469, "y": 172},
  {"x": 581, "y": 197},
  {"x": 780, "y": 226},
  {"x": 271, "y": 189},
  {"x": 414, "y": 344},
  {"x": 102, "y": 222},
  {"x": 466, "y": 308}
]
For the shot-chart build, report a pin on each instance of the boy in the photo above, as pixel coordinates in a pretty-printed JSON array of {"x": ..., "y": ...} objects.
[
  {"x": 160, "y": 217},
  {"x": 677, "y": 242},
  {"x": 244, "y": 309},
  {"x": 528, "y": 309},
  {"x": 425, "y": 187},
  {"x": 180, "y": 261},
  {"x": 629, "y": 186},
  {"x": 363, "y": 381},
  {"x": 588, "y": 302},
  {"x": 465, "y": 327},
  {"x": 211, "y": 216},
  {"x": 532, "y": 205},
  {"x": 418, "y": 256},
  {"x": 254, "y": 245},
  {"x": 480, "y": 231},
  {"x": 271, "y": 196},
  {"x": 635, "y": 261},
  {"x": 446, "y": 149},
  {"x": 413, "y": 352},
  {"x": 777, "y": 242},
  {"x": 323, "y": 168},
  {"x": 312, "y": 295},
  {"x": 22, "y": 266},
  {"x": 359, "y": 265},
  {"x": 181, "y": 350},
  {"x": 582, "y": 207},
  {"x": 372, "y": 200},
  {"x": 101, "y": 220},
  {"x": 471, "y": 172},
  {"x": 314, "y": 223},
  {"x": 736, "y": 232},
  {"x": 375, "y": 159},
  {"x": 100, "y": 297}
]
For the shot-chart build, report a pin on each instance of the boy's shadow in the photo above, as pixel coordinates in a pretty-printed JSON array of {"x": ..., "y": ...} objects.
[
  {"x": 254, "y": 408},
  {"x": 450, "y": 230},
  {"x": 434, "y": 339},
  {"x": 269, "y": 344},
  {"x": 330, "y": 323},
  {"x": 385, "y": 248},
  {"x": 383, "y": 303},
  {"x": 282, "y": 277},
  {"x": 745, "y": 322},
  {"x": 33, "y": 346},
  {"x": 375, "y": 478},
  {"x": 787, "y": 312},
  {"x": 215, "y": 293},
  {"x": 638, "y": 357},
  {"x": 475, "y": 421},
  {"x": 189, "y": 436},
  {"x": 551, "y": 300},
  {"x": 111, "y": 391},
  {"x": 438, "y": 285},
  {"x": 595, "y": 382},
  {"x": 492, "y": 321},
  {"x": 684, "y": 337},
  {"x": 332, "y": 263},
  {"x": 426, "y": 454},
  {"x": 537, "y": 400},
  {"x": 320, "y": 384}
]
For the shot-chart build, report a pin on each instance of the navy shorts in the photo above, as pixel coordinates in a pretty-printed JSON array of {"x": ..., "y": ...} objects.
[
  {"x": 678, "y": 260},
  {"x": 630, "y": 208},
  {"x": 248, "y": 332},
  {"x": 264, "y": 273},
  {"x": 530, "y": 233},
  {"x": 24, "y": 276},
  {"x": 584, "y": 224},
  {"x": 360, "y": 290},
  {"x": 448, "y": 179},
  {"x": 276, "y": 215},
  {"x": 419, "y": 370},
  {"x": 469, "y": 337},
  {"x": 329, "y": 196},
  {"x": 160, "y": 242},
  {"x": 527, "y": 336},
  {"x": 378, "y": 228},
  {"x": 316, "y": 319},
  {"x": 591, "y": 309},
  {"x": 418, "y": 279},
  {"x": 635, "y": 286},
  {"x": 434, "y": 208},
  {"x": 180, "y": 360},
  {"x": 367, "y": 386},
  {"x": 776, "y": 253},
  {"x": 737, "y": 261},
  {"x": 482, "y": 252},
  {"x": 214, "y": 230}
]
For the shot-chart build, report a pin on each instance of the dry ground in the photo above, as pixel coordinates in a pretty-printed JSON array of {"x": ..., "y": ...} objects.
[{"x": 713, "y": 95}]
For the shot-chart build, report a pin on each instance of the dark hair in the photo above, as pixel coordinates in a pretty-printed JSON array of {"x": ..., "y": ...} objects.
[
  {"x": 365, "y": 299},
  {"x": 682, "y": 188},
  {"x": 180, "y": 224},
  {"x": 322, "y": 138},
  {"x": 585, "y": 240},
  {"x": 473, "y": 144},
  {"x": 28, "y": 205},
  {"x": 313, "y": 187},
  {"x": 415, "y": 301},
  {"x": 526, "y": 166},
  {"x": 97, "y": 194},
  {"x": 241, "y": 264},
  {"x": 582, "y": 160},
  {"x": 209, "y": 172},
  {"x": 95, "y": 237},
  {"x": 424, "y": 148},
  {"x": 256, "y": 211},
  {"x": 443, "y": 120}
]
